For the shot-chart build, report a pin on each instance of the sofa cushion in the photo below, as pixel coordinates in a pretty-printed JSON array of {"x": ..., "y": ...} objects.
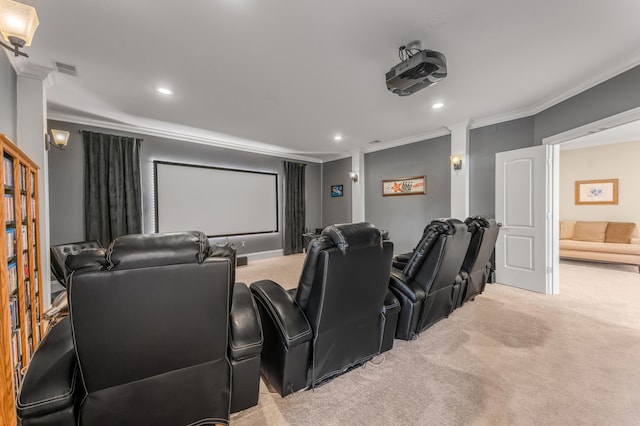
[
  {"x": 566, "y": 229},
  {"x": 590, "y": 231},
  {"x": 620, "y": 232},
  {"x": 630, "y": 249}
]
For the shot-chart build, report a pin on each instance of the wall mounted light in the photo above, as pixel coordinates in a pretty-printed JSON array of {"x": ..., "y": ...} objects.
[
  {"x": 60, "y": 139},
  {"x": 18, "y": 23},
  {"x": 456, "y": 162},
  {"x": 353, "y": 176}
]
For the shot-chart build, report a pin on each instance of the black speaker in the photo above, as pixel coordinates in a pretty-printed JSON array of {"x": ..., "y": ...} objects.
[{"x": 241, "y": 261}]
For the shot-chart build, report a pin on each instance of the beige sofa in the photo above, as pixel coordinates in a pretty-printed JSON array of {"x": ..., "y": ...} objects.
[{"x": 613, "y": 242}]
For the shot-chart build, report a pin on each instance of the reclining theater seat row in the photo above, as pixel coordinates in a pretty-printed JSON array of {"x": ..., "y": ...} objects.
[
  {"x": 146, "y": 340},
  {"x": 336, "y": 319},
  {"x": 425, "y": 286}
]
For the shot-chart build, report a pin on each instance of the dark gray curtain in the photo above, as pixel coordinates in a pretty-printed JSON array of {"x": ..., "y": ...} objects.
[
  {"x": 112, "y": 193},
  {"x": 294, "y": 207}
]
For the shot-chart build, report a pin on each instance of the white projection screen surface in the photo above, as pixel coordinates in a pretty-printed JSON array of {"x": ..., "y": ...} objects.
[{"x": 216, "y": 201}]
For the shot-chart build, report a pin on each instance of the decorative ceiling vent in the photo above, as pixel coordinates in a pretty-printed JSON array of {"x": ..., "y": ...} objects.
[{"x": 66, "y": 69}]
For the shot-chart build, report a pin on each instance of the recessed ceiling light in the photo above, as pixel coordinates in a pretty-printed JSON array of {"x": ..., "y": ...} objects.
[
  {"x": 437, "y": 105},
  {"x": 164, "y": 91},
  {"x": 337, "y": 138}
]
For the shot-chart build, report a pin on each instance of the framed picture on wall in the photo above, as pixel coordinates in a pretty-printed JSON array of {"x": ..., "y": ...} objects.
[
  {"x": 603, "y": 191},
  {"x": 337, "y": 190},
  {"x": 404, "y": 186}
]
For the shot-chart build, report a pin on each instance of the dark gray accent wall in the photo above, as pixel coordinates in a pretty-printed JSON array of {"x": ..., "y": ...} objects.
[
  {"x": 8, "y": 98},
  {"x": 336, "y": 209},
  {"x": 484, "y": 143},
  {"x": 406, "y": 216},
  {"x": 618, "y": 94},
  {"x": 66, "y": 183}
]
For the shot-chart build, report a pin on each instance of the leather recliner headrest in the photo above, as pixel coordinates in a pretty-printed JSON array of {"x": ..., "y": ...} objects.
[
  {"x": 146, "y": 250},
  {"x": 87, "y": 258},
  {"x": 353, "y": 235},
  {"x": 476, "y": 222},
  {"x": 60, "y": 252}
]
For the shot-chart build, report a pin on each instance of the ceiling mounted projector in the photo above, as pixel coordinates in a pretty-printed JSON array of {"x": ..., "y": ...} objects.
[{"x": 419, "y": 68}]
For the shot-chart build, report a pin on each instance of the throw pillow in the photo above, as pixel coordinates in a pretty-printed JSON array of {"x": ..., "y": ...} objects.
[
  {"x": 620, "y": 232},
  {"x": 566, "y": 229},
  {"x": 590, "y": 231}
]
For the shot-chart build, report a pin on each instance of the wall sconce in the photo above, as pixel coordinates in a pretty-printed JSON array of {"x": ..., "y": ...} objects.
[
  {"x": 456, "y": 162},
  {"x": 353, "y": 176},
  {"x": 60, "y": 139},
  {"x": 18, "y": 23}
]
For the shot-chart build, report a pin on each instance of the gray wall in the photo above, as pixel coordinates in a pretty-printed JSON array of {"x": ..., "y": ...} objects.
[
  {"x": 66, "y": 183},
  {"x": 618, "y": 94},
  {"x": 484, "y": 142},
  {"x": 336, "y": 209},
  {"x": 406, "y": 216},
  {"x": 8, "y": 98}
]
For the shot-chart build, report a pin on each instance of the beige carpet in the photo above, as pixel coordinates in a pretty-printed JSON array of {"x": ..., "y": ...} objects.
[{"x": 511, "y": 357}]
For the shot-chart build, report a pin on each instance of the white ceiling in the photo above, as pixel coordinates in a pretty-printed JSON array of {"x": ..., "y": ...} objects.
[{"x": 286, "y": 75}]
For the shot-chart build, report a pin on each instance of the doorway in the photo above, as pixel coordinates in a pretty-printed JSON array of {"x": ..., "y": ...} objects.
[{"x": 620, "y": 128}]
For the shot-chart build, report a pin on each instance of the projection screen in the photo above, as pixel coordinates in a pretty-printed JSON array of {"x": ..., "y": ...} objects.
[{"x": 216, "y": 201}]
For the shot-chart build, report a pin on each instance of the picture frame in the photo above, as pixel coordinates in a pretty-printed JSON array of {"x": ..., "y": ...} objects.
[
  {"x": 415, "y": 185},
  {"x": 337, "y": 191},
  {"x": 600, "y": 191}
]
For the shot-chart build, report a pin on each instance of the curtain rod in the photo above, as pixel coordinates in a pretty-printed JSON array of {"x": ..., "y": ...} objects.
[{"x": 80, "y": 131}]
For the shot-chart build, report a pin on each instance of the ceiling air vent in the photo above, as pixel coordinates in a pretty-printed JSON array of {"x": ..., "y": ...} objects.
[
  {"x": 66, "y": 69},
  {"x": 375, "y": 142}
]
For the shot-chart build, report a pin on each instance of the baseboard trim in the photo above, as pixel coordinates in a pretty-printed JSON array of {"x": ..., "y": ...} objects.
[{"x": 264, "y": 254}]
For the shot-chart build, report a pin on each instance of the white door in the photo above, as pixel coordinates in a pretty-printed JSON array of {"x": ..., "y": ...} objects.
[{"x": 521, "y": 207}]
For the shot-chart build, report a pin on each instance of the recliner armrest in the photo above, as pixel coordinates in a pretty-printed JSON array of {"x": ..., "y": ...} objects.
[
  {"x": 51, "y": 382},
  {"x": 245, "y": 338},
  {"x": 408, "y": 288},
  {"x": 284, "y": 312}
]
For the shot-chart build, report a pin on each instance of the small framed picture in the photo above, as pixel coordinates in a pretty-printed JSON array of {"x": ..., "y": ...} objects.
[
  {"x": 603, "y": 191},
  {"x": 337, "y": 190}
]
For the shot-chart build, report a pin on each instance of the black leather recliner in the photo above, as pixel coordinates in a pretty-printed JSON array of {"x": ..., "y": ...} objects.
[
  {"x": 59, "y": 253},
  {"x": 477, "y": 266},
  {"x": 60, "y": 307},
  {"x": 152, "y": 338},
  {"x": 426, "y": 285},
  {"x": 340, "y": 315}
]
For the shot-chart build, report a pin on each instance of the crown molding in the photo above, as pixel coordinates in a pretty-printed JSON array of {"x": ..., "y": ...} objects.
[
  {"x": 181, "y": 136},
  {"x": 550, "y": 101},
  {"x": 407, "y": 140},
  {"x": 336, "y": 157}
]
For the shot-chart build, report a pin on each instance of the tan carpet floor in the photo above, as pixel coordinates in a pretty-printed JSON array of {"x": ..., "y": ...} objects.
[{"x": 511, "y": 357}]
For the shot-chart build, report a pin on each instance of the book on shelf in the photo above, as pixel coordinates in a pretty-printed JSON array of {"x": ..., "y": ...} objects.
[
  {"x": 8, "y": 171},
  {"x": 23, "y": 206},
  {"x": 15, "y": 348},
  {"x": 23, "y": 178},
  {"x": 25, "y": 239},
  {"x": 13, "y": 276},
  {"x": 11, "y": 246},
  {"x": 13, "y": 311},
  {"x": 9, "y": 208}
]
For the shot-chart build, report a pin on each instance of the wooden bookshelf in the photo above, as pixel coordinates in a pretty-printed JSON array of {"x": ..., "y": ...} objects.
[{"x": 21, "y": 328}]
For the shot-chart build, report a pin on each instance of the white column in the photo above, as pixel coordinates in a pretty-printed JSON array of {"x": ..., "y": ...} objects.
[
  {"x": 460, "y": 178},
  {"x": 357, "y": 187},
  {"x": 31, "y": 128}
]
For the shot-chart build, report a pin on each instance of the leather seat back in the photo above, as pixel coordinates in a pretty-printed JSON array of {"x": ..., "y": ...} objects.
[
  {"x": 341, "y": 292},
  {"x": 484, "y": 236},
  {"x": 439, "y": 255},
  {"x": 150, "y": 323}
]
